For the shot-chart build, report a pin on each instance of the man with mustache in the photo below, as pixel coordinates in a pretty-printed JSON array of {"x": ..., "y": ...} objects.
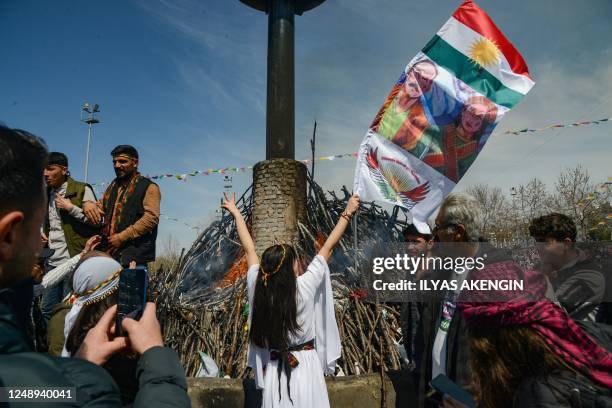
[
  {"x": 79, "y": 381},
  {"x": 130, "y": 207}
]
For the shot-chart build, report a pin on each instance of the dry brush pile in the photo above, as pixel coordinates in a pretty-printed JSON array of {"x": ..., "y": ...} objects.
[{"x": 202, "y": 300}]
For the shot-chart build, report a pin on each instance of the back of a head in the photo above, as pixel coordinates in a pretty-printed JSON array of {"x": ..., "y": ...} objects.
[
  {"x": 463, "y": 208},
  {"x": 502, "y": 358},
  {"x": 23, "y": 158},
  {"x": 274, "y": 305},
  {"x": 94, "y": 287},
  {"x": 88, "y": 317},
  {"x": 555, "y": 225},
  {"x": 121, "y": 366},
  {"x": 22, "y": 162}
]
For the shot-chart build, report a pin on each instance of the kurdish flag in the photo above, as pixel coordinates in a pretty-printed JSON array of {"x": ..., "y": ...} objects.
[{"x": 440, "y": 113}]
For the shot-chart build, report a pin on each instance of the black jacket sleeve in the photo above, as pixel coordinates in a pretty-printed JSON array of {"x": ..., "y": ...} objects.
[
  {"x": 582, "y": 292},
  {"x": 161, "y": 380},
  {"x": 93, "y": 385},
  {"x": 533, "y": 394},
  {"x": 561, "y": 389}
]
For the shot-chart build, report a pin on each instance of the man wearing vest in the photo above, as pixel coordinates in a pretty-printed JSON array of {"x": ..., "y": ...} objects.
[
  {"x": 159, "y": 375},
  {"x": 131, "y": 210},
  {"x": 66, "y": 228}
]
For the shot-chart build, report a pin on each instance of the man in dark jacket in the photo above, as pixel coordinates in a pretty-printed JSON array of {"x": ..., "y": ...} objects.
[
  {"x": 577, "y": 278},
  {"x": 130, "y": 207},
  {"x": 442, "y": 333},
  {"x": 418, "y": 244},
  {"x": 22, "y": 211}
]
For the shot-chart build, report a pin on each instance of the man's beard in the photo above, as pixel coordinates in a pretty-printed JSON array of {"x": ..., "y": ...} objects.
[
  {"x": 57, "y": 185},
  {"x": 122, "y": 174}
]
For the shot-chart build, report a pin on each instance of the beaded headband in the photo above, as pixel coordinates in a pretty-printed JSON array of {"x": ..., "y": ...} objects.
[
  {"x": 265, "y": 276},
  {"x": 125, "y": 156},
  {"x": 104, "y": 294}
]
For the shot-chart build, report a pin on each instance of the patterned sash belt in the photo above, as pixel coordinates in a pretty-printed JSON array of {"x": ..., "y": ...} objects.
[{"x": 287, "y": 362}]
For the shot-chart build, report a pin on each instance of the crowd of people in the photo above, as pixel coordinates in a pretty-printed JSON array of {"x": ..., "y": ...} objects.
[
  {"x": 548, "y": 345},
  {"x": 57, "y": 239}
]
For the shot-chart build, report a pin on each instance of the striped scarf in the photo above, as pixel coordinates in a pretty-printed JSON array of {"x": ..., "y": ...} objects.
[
  {"x": 117, "y": 208},
  {"x": 547, "y": 319}
]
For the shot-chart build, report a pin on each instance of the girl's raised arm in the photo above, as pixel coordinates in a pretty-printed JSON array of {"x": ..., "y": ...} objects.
[
  {"x": 243, "y": 232},
  {"x": 336, "y": 234}
]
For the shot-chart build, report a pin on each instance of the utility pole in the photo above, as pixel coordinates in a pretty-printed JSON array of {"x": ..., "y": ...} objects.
[
  {"x": 279, "y": 182},
  {"x": 280, "y": 104},
  {"x": 88, "y": 116}
]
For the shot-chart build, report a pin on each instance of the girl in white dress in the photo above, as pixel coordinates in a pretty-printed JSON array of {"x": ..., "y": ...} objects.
[{"x": 293, "y": 335}]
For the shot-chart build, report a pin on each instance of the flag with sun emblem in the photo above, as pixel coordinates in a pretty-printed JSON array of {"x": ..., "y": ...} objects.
[{"x": 440, "y": 113}]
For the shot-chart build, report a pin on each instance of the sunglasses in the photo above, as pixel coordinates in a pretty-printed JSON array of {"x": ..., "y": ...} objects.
[{"x": 437, "y": 227}]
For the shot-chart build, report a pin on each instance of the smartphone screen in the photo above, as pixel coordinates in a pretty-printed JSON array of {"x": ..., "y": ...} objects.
[
  {"x": 132, "y": 296},
  {"x": 445, "y": 386}
]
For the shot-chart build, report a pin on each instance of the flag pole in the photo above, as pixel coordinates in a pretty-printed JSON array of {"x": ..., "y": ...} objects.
[{"x": 355, "y": 238}]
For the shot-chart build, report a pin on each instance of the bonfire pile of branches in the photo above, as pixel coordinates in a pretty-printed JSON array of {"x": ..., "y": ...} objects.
[{"x": 202, "y": 301}]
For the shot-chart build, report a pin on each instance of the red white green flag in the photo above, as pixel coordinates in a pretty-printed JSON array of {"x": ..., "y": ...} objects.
[{"x": 440, "y": 113}]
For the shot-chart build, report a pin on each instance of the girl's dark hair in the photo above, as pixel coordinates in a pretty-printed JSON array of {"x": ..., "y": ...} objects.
[
  {"x": 501, "y": 359},
  {"x": 122, "y": 366},
  {"x": 87, "y": 318},
  {"x": 274, "y": 305}
]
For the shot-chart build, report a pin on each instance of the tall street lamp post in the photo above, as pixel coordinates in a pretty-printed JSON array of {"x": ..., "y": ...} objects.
[{"x": 88, "y": 115}]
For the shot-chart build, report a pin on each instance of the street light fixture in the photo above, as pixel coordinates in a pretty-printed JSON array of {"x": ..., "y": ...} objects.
[
  {"x": 88, "y": 116},
  {"x": 227, "y": 188},
  {"x": 227, "y": 183}
]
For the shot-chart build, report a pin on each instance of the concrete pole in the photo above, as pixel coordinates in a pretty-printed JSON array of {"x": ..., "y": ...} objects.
[{"x": 280, "y": 123}]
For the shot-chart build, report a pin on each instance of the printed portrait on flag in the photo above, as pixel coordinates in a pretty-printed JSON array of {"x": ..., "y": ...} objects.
[
  {"x": 460, "y": 141},
  {"x": 436, "y": 117},
  {"x": 405, "y": 118},
  {"x": 440, "y": 113}
]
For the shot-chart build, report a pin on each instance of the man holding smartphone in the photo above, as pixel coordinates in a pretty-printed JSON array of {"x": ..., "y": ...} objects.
[{"x": 161, "y": 378}]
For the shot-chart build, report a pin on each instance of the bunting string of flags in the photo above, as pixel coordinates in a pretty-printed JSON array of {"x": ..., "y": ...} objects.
[
  {"x": 165, "y": 217},
  {"x": 244, "y": 169},
  {"x": 601, "y": 188},
  {"x": 226, "y": 170},
  {"x": 576, "y": 124}
]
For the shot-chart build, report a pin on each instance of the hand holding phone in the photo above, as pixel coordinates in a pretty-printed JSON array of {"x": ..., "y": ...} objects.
[
  {"x": 145, "y": 333},
  {"x": 132, "y": 296},
  {"x": 450, "y": 394},
  {"x": 98, "y": 346}
]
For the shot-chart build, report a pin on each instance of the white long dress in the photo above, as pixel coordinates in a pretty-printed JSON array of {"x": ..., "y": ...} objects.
[{"x": 315, "y": 316}]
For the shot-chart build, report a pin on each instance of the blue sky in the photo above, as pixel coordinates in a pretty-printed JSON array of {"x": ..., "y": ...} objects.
[{"x": 184, "y": 81}]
